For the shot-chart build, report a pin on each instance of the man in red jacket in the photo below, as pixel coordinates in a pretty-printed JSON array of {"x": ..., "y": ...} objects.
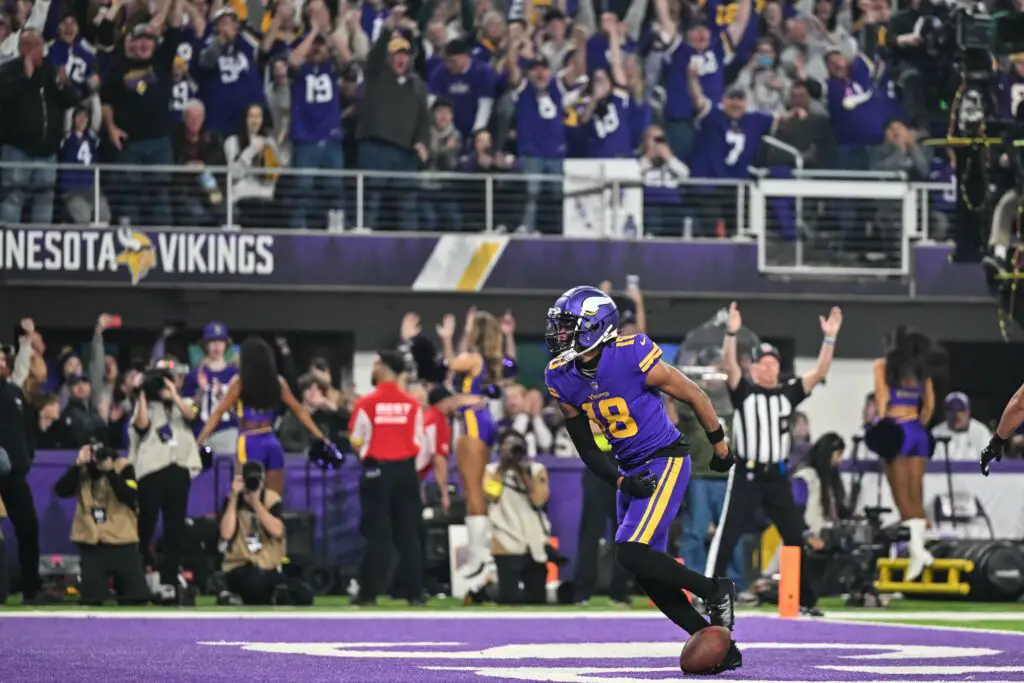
[
  {"x": 437, "y": 427},
  {"x": 387, "y": 429}
]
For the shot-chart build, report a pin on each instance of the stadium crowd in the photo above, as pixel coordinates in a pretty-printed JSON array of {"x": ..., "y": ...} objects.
[{"x": 452, "y": 85}]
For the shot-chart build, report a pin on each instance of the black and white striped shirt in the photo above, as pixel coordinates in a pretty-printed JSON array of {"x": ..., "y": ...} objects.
[{"x": 760, "y": 423}]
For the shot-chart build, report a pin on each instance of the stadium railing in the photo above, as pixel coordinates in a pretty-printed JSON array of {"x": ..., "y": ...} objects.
[{"x": 803, "y": 221}]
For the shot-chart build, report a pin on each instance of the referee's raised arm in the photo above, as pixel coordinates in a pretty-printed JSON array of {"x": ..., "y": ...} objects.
[
  {"x": 830, "y": 330},
  {"x": 730, "y": 359}
]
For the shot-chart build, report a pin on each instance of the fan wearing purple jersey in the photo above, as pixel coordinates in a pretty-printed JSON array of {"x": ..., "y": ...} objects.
[
  {"x": 315, "y": 122},
  {"x": 207, "y": 384},
  {"x": 75, "y": 54},
  {"x": 1011, "y": 87},
  {"x": 703, "y": 48},
  {"x": 468, "y": 84},
  {"x": 228, "y": 74},
  {"x": 730, "y": 135},
  {"x": 616, "y": 381},
  {"x": 540, "y": 104},
  {"x": 607, "y": 111}
]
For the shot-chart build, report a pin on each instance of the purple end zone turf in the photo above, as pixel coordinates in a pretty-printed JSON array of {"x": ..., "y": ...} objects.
[{"x": 452, "y": 649}]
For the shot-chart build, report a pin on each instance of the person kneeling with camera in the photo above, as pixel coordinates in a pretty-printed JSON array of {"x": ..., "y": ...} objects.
[
  {"x": 252, "y": 536},
  {"x": 517, "y": 490},
  {"x": 163, "y": 452},
  {"x": 105, "y": 525}
]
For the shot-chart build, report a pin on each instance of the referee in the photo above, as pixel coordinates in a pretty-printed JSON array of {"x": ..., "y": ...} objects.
[
  {"x": 387, "y": 429},
  {"x": 760, "y": 436}
]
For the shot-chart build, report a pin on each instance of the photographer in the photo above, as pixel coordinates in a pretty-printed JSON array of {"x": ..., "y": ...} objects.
[
  {"x": 164, "y": 454},
  {"x": 517, "y": 489},
  {"x": 105, "y": 525},
  {"x": 252, "y": 537}
]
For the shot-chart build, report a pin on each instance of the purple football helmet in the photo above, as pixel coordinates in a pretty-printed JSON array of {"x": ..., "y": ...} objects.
[{"x": 580, "y": 321}]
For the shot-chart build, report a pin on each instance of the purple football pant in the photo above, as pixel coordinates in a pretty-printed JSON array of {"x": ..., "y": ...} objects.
[{"x": 646, "y": 520}]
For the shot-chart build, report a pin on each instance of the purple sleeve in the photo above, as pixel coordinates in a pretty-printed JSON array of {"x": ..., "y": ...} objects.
[
  {"x": 800, "y": 492},
  {"x": 191, "y": 383}
]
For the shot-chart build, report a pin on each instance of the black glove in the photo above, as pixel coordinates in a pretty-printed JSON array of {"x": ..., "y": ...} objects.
[
  {"x": 719, "y": 464},
  {"x": 640, "y": 485},
  {"x": 993, "y": 451}
]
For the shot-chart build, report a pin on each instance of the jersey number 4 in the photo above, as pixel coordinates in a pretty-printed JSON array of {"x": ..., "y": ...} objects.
[{"x": 613, "y": 415}]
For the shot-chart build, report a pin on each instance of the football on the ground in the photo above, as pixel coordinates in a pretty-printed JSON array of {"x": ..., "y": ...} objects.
[{"x": 705, "y": 650}]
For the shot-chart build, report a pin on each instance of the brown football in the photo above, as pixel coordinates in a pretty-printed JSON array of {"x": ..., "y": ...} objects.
[{"x": 705, "y": 650}]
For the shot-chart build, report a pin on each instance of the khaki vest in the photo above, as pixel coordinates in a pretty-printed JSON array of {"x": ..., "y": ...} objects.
[
  {"x": 100, "y": 517},
  {"x": 3, "y": 510},
  {"x": 251, "y": 543}
]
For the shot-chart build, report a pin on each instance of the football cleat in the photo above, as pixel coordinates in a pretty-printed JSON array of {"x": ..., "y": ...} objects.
[{"x": 722, "y": 610}]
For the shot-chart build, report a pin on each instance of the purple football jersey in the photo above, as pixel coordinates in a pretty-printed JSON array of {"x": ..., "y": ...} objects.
[{"x": 617, "y": 398}]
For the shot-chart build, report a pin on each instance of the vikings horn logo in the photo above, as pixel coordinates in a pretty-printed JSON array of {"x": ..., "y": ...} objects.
[
  {"x": 592, "y": 304},
  {"x": 137, "y": 254}
]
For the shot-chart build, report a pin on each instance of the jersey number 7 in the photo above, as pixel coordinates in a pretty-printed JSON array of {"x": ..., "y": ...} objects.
[{"x": 613, "y": 415}]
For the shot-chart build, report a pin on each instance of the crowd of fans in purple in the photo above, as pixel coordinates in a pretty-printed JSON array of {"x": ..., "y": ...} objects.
[{"x": 449, "y": 85}]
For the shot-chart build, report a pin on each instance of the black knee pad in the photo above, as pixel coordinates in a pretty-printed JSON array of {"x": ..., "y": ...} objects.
[{"x": 631, "y": 555}]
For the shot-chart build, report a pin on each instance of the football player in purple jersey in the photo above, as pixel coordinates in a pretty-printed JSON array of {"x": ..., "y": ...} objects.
[{"x": 615, "y": 381}]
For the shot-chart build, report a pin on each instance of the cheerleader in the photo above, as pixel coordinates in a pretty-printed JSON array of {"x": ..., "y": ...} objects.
[
  {"x": 478, "y": 370},
  {"x": 906, "y": 400},
  {"x": 256, "y": 394}
]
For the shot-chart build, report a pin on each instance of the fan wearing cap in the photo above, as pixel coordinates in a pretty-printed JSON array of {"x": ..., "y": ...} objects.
[
  {"x": 438, "y": 405},
  {"x": 707, "y": 50},
  {"x": 967, "y": 436},
  {"x": 730, "y": 135},
  {"x": 394, "y": 122},
  {"x": 540, "y": 104},
  {"x": 315, "y": 124},
  {"x": 136, "y": 95},
  {"x": 228, "y": 71},
  {"x": 468, "y": 84},
  {"x": 207, "y": 385},
  {"x": 763, "y": 410}
]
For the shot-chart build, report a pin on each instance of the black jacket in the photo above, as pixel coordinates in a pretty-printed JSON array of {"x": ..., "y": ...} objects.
[
  {"x": 15, "y": 420},
  {"x": 33, "y": 108},
  {"x": 82, "y": 422}
]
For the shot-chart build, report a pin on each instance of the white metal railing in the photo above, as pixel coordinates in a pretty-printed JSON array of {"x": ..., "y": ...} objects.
[{"x": 475, "y": 202}]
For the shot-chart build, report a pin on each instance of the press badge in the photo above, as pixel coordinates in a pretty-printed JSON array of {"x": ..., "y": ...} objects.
[
  {"x": 253, "y": 542},
  {"x": 99, "y": 515}
]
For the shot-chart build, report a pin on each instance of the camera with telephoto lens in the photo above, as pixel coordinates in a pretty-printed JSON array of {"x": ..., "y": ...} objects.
[
  {"x": 252, "y": 475},
  {"x": 154, "y": 381},
  {"x": 102, "y": 452},
  {"x": 512, "y": 448}
]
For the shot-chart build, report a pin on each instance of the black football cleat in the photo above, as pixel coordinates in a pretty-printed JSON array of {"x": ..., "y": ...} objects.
[
  {"x": 811, "y": 612},
  {"x": 722, "y": 609},
  {"x": 733, "y": 660}
]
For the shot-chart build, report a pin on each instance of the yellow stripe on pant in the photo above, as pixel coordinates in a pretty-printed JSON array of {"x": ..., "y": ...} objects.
[
  {"x": 658, "y": 502},
  {"x": 241, "y": 449},
  {"x": 472, "y": 426}
]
